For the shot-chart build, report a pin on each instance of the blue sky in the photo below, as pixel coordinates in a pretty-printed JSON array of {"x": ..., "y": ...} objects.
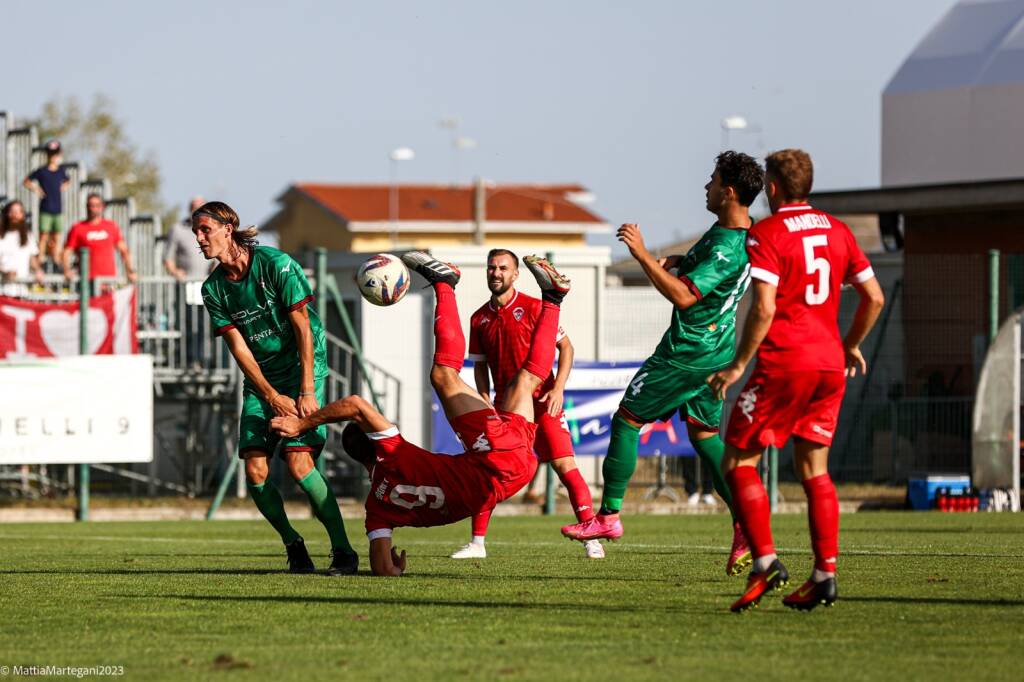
[{"x": 238, "y": 100}]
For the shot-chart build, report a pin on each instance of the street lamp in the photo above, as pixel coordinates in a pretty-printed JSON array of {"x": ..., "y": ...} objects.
[
  {"x": 729, "y": 124},
  {"x": 396, "y": 155}
]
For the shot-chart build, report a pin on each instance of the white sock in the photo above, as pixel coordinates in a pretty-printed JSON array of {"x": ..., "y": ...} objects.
[
  {"x": 762, "y": 563},
  {"x": 820, "y": 576},
  {"x": 478, "y": 539}
]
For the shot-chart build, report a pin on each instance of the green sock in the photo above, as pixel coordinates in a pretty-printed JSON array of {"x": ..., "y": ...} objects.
[
  {"x": 620, "y": 464},
  {"x": 270, "y": 504},
  {"x": 711, "y": 451},
  {"x": 325, "y": 508}
]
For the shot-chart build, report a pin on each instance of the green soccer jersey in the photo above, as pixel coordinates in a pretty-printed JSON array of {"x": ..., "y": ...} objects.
[
  {"x": 716, "y": 270},
  {"x": 258, "y": 306}
]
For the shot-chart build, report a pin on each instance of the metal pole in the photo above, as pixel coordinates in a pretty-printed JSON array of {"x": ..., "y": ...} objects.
[
  {"x": 83, "y": 349},
  {"x": 393, "y": 203},
  {"x": 229, "y": 474},
  {"x": 222, "y": 489},
  {"x": 993, "y": 294},
  {"x": 549, "y": 481},
  {"x": 773, "y": 478},
  {"x": 321, "y": 311}
]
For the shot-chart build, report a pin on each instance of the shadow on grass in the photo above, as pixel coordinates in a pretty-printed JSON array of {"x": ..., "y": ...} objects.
[
  {"x": 261, "y": 571},
  {"x": 433, "y": 603},
  {"x": 931, "y": 601}
]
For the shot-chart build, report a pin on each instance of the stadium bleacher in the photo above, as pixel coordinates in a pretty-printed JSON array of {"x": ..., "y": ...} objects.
[{"x": 196, "y": 383}]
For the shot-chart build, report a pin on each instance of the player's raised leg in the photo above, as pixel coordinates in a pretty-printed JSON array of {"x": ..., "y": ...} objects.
[
  {"x": 456, "y": 396},
  {"x": 823, "y": 517},
  {"x": 553, "y": 286}
]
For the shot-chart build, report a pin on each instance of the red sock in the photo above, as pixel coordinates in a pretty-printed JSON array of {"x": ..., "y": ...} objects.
[
  {"x": 480, "y": 523},
  {"x": 823, "y": 518},
  {"x": 750, "y": 502},
  {"x": 449, "y": 343},
  {"x": 542, "y": 344},
  {"x": 579, "y": 495}
]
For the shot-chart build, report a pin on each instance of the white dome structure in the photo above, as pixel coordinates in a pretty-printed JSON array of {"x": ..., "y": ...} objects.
[{"x": 954, "y": 111}]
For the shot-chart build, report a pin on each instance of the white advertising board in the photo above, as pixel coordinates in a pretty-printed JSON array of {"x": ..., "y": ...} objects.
[{"x": 86, "y": 409}]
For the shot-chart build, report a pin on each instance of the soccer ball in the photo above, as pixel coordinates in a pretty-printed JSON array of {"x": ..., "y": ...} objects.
[{"x": 383, "y": 279}]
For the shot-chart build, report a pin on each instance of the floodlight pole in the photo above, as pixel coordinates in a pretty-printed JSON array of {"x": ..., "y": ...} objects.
[{"x": 83, "y": 349}]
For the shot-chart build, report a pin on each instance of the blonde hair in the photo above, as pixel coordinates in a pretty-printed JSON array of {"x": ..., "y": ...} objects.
[{"x": 793, "y": 170}]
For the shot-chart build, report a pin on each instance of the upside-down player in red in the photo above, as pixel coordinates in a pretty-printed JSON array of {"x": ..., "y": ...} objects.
[
  {"x": 410, "y": 486},
  {"x": 800, "y": 258}
]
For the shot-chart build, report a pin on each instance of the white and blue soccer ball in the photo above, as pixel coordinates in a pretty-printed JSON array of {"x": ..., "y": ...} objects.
[{"x": 383, "y": 279}]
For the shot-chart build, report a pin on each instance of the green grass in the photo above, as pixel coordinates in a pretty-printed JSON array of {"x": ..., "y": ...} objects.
[{"x": 922, "y": 596}]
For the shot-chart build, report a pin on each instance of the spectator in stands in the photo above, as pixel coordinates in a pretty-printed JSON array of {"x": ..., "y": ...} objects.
[
  {"x": 48, "y": 182},
  {"x": 19, "y": 253},
  {"x": 182, "y": 258},
  {"x": 102, "y": 237}
]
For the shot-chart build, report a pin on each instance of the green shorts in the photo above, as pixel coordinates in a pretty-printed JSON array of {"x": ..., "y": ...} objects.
[
  {"x": 659, "y": 388},
  {"x": 254, "y": 428},
  {"x": 51, "y": 222}
]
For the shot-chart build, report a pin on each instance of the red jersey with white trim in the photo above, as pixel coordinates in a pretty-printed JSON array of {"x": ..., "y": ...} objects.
[
  {"x": 410, "y": 486},
  {"x": 808, "y": 255},
  {"x": 501, "y": 337}
]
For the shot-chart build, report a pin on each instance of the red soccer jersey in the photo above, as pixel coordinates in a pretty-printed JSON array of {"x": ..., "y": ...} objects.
[
  {"x": 100, "y": 239},
  {"x": 808, "y": 255},
  {"x": 501, "y": 337},
  {"x": 410, "y": 486}
]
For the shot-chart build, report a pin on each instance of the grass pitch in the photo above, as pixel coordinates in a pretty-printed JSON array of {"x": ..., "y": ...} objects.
[{"x": 922, "y": 596}]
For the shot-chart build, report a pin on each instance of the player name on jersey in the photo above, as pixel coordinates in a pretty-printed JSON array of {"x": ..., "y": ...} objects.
[{"x": 807, "y": 221}]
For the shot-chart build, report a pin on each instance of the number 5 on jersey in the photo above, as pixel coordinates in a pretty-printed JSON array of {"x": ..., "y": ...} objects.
[{"x": 816, "y": 294}]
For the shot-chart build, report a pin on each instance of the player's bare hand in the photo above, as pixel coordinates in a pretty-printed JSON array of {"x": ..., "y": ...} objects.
[
  {"x": 307, "y": 405},
  {"x": 629, "y": 234},
  {"x": 554, "y": 399},
  {"x": 133, "y": 277},
  {"x": 721, "y": 381},
  {"x": 289, "y": 426},
  {"x": 283, "y": 406},
  {"x": 398, "y": 561},
  {"x": 669, "y": 262},
  {"x": 855, "y": 360}
]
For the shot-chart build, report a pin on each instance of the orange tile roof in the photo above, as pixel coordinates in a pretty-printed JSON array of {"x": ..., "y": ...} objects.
[{"x": 519, "y": 203}]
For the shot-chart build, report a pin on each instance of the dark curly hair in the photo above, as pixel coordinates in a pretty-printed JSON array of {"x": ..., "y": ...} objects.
[{"x": 741, "y": 172}]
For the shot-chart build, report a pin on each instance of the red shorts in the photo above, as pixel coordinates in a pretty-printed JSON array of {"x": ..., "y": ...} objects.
[
  {"x": 505, "y": 440},
  {"x": 553, "y": 438},
  {"x": 775, "y": 405}
]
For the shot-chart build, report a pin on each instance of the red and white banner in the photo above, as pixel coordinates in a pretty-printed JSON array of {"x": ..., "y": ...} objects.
[{"x": 43, "y": 330}]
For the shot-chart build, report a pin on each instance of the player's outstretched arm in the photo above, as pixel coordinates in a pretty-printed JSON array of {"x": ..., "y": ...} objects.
[
  {"x": 353, "y": 408},
  {"x": 759, "y": 320},
  {"x": 667, "y": 284},
  {"x": 281, "y": 404},
  {"x": 384, "y": 560},
  {"x": 872, "y": 300}
]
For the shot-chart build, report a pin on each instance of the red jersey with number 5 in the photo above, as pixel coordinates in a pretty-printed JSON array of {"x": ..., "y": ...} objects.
[{"x": 808, "y": 255}]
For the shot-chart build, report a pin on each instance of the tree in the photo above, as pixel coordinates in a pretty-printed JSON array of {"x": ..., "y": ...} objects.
[{"x": 96, "y": 136}]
